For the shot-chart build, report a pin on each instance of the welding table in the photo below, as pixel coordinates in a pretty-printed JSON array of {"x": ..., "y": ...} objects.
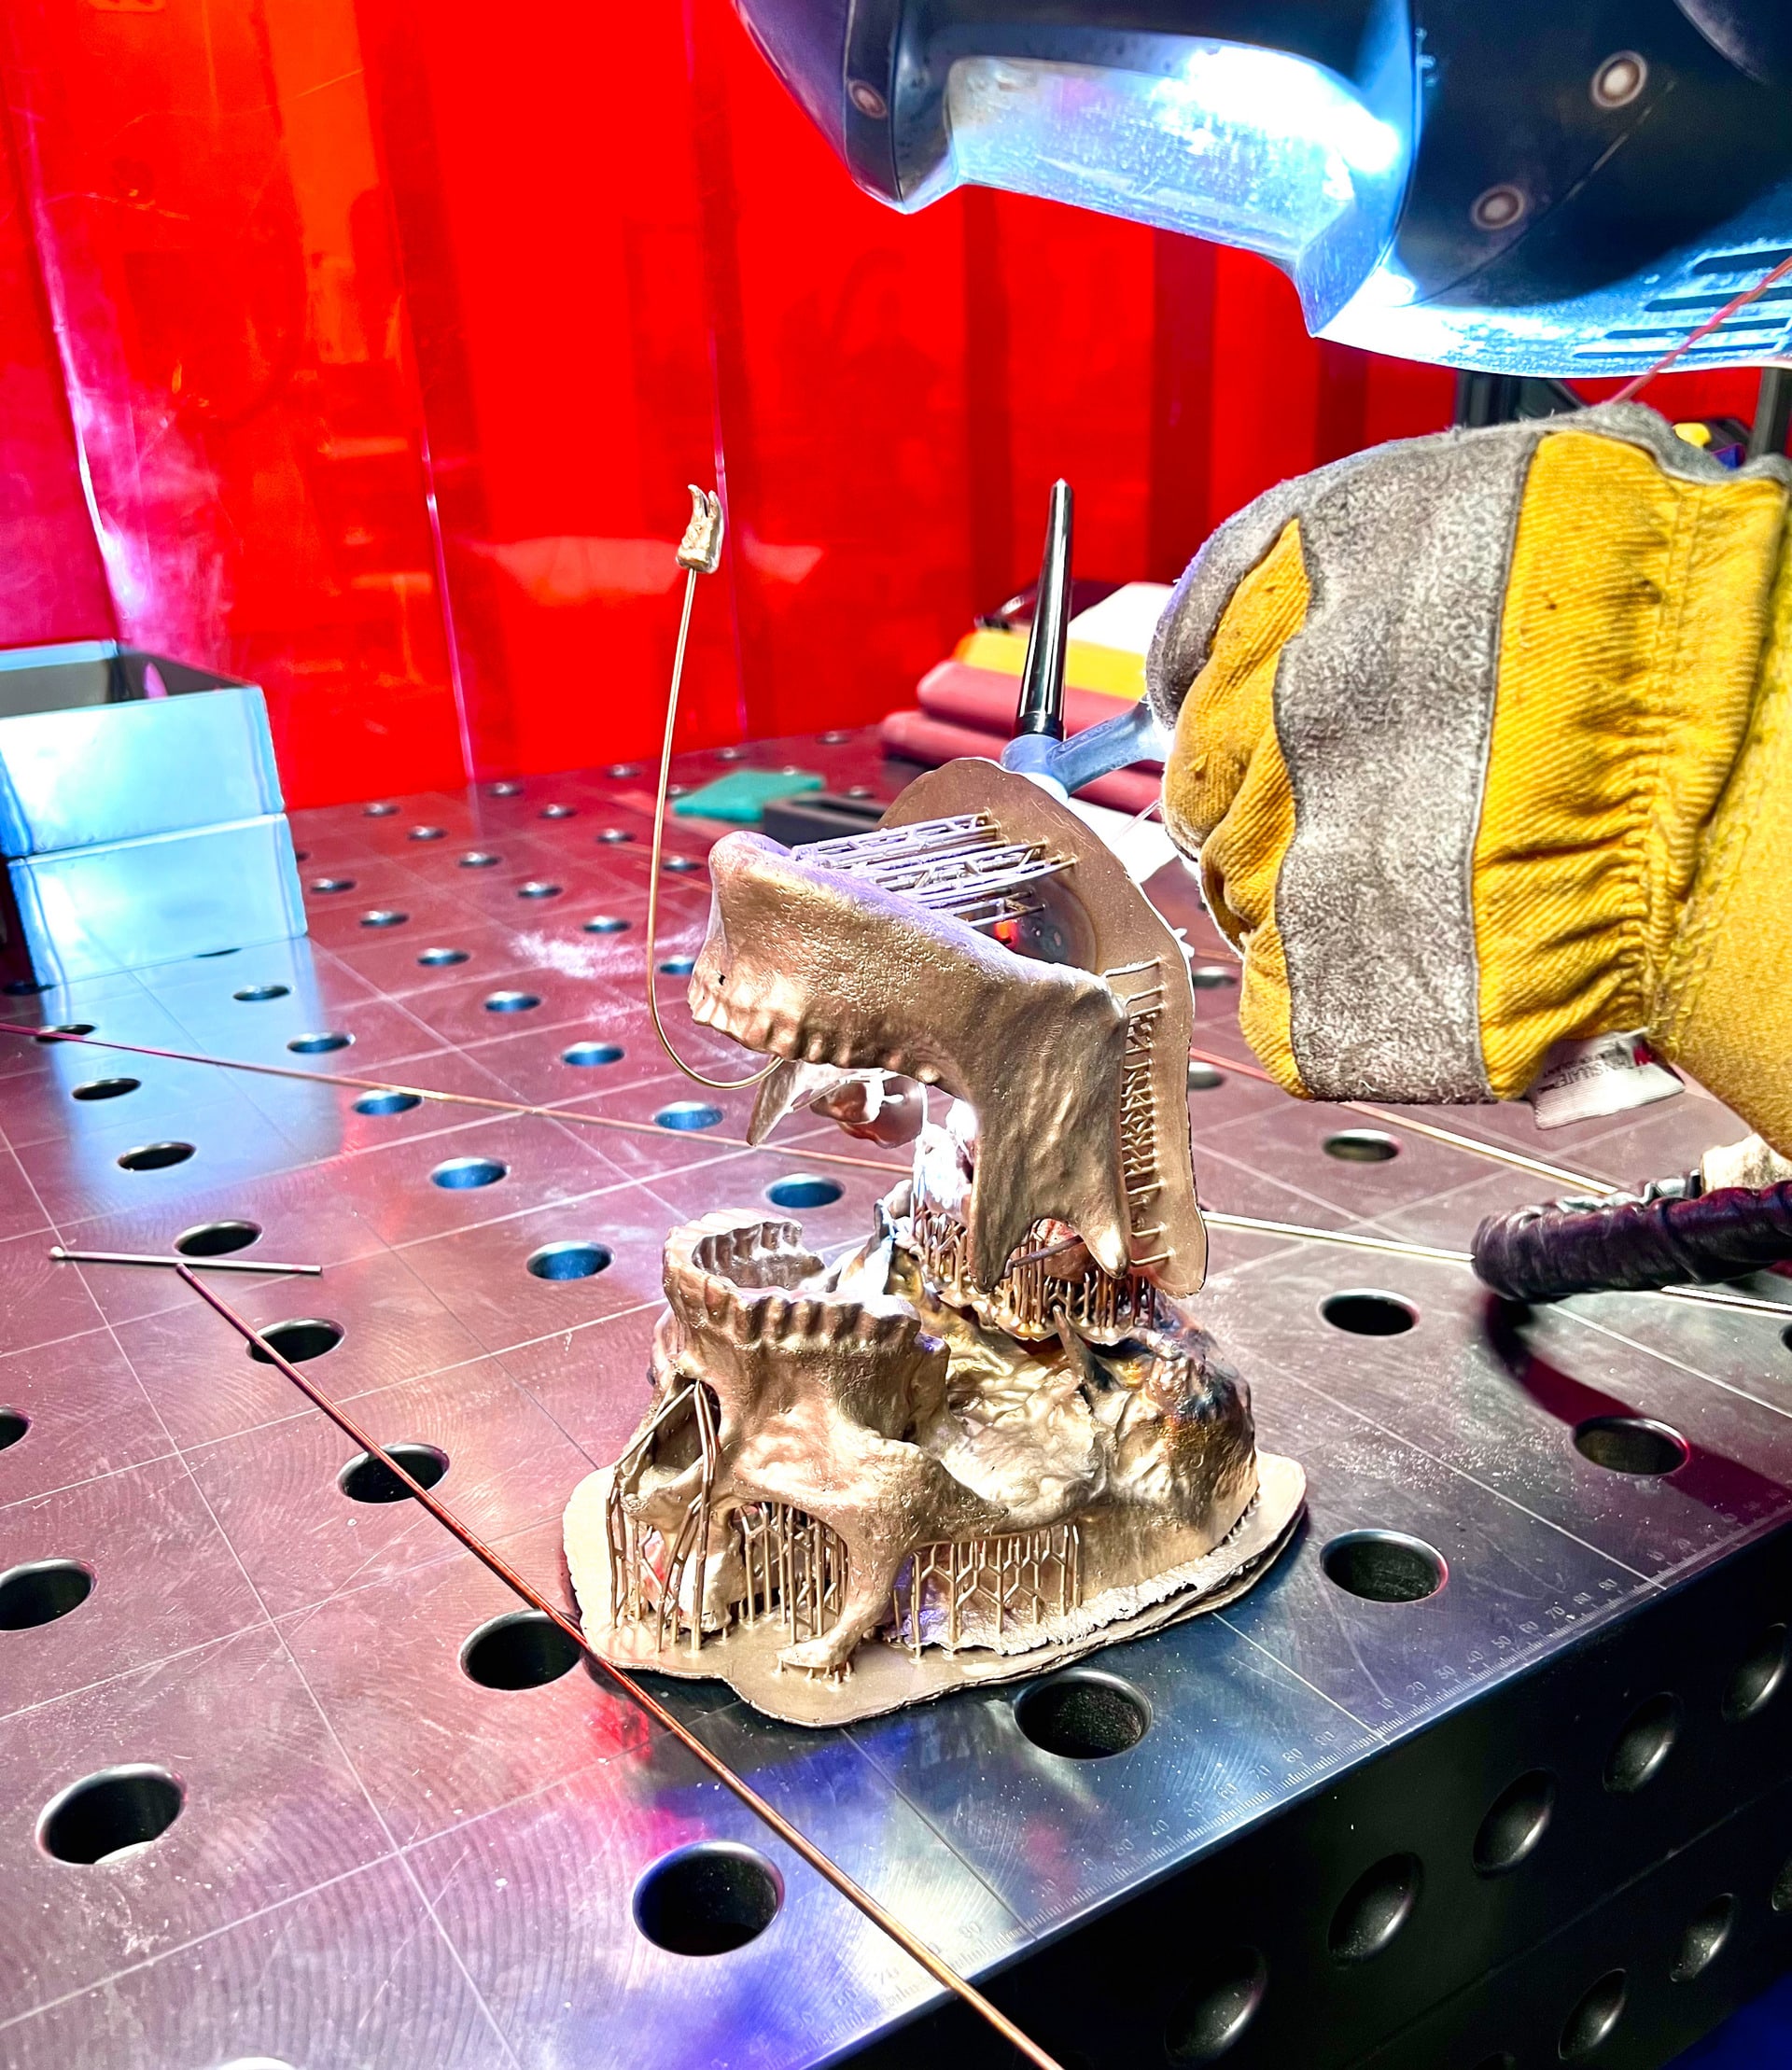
[{"x": 1544, "y": 1811}]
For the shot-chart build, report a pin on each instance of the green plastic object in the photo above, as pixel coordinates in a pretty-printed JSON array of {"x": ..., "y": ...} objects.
[{"x": 742, "y": 795}]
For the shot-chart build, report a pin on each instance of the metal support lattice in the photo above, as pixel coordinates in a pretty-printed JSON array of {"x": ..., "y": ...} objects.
[{"x": 961, "y": 1591}]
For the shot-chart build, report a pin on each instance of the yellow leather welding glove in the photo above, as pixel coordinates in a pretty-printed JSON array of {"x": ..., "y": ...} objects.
[{"x": 1484, "y": 741}]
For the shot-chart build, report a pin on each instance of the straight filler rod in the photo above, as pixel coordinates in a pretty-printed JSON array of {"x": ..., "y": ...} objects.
[{"x": 768, "y": 1815}]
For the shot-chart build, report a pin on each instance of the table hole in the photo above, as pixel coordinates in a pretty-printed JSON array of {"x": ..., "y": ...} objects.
[
  {"x": 104, "y": 1816},
  {"x": 859, "y": 790},
  {"x": 64, "y": 1028},
  {"x": 537, "y": 888},
  {"x": 320, "y": 1044},
  {"x": 677, "y": 965},
  {"x": 709, "y": 1898},
  {"x": 1515, "y": 1824},
  {"x": 1365, "y": 1312},
  {"x": 304, "y": 1337},
  {"x": 460, "y": 1174},
  {"x": 105, "y": 1089},
  {"x": 505, "y": 789},
  {"x": 206, "y": 956},
  {"x": 385, "y": 916},
  {"x": 1591, "y": 2022},
  {"x": 606, "y": 923},
  {"x": 22, "y": 987},
  {"x": 622, "y": 771},
  {"x": 569, "y": 1261},
  {"x": 677, "y": 790},
  {"x": 1375, "y": 1908},
  {"x": 1384, "y": 1566},
  {"x": 379, "y": 811},
  {"x": 332, "y": 883},
  {"x": 252, "y": 995},
  {"x": 686, "y": 1114},
  {"x": 1703, "y": 1940},
  {"x": 1758, "y": 1681},
  {"x": 1211, "y": 977},
  {"x": 367, "y": 1479},
  {"x": 155, "y": 1156},
  {"x": 521, "y": 1650},
  {"x": 558, "y": 812},
  {"x": 1361, "y": 1146},
  {"x": 614, "y": 834},
  {"x": 680, "y": 865},
  {"x": 585, "y": 1055},
  {"x": 511, "y": 1002},
  {"x": 804, "y": 1189},
  {"x": 1642, "y": 1748},
  {"x": 1631, "y": 1445},
  {"x": 479, "y": 859},
  {"x": 1212, "y": 2016},
  {"x": 1203, "y": 1078},
  {"x": 14, "y": 1423},
  {"x": 434, "y": 959},
  {"x": 833, "y": 737},
  {"x": 387, "y": 1104},
  {"x": 729, "y": 754},
  {"x": 42, "y": 1592},
  {"x": 216, "y": 1239},
  {"x": 425, "y": 834},
  {"x": 1083, "y": 1716}
]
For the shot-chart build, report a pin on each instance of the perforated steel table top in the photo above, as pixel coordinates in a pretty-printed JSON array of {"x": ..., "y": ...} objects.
[{"x": 378, "y": 1860}]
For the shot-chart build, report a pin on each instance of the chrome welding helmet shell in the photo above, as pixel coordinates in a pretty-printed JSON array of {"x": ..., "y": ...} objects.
[{"x": 1528, "y": 186}]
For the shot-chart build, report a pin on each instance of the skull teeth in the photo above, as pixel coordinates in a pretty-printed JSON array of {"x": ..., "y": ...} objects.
[{"x": 811, "y": 1041}]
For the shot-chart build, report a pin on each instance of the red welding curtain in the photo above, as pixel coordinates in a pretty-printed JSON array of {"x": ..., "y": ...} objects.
[{"x": 364, "y": 346}]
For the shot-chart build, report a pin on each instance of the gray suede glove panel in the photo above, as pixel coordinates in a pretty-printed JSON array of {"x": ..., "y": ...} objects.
[{"x": 1384, "y": 709}]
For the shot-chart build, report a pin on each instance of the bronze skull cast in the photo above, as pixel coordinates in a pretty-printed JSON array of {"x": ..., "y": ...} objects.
[{"x": 994, "y": 1436}]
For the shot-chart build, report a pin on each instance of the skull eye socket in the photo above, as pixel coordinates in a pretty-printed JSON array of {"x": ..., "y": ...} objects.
[
  {"x": 676, "y": 1446},
  {"x": 677, "y": 1443}
]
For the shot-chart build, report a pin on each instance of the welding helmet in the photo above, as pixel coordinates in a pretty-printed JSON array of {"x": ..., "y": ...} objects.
[{"x": 1563, "y": 187}]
